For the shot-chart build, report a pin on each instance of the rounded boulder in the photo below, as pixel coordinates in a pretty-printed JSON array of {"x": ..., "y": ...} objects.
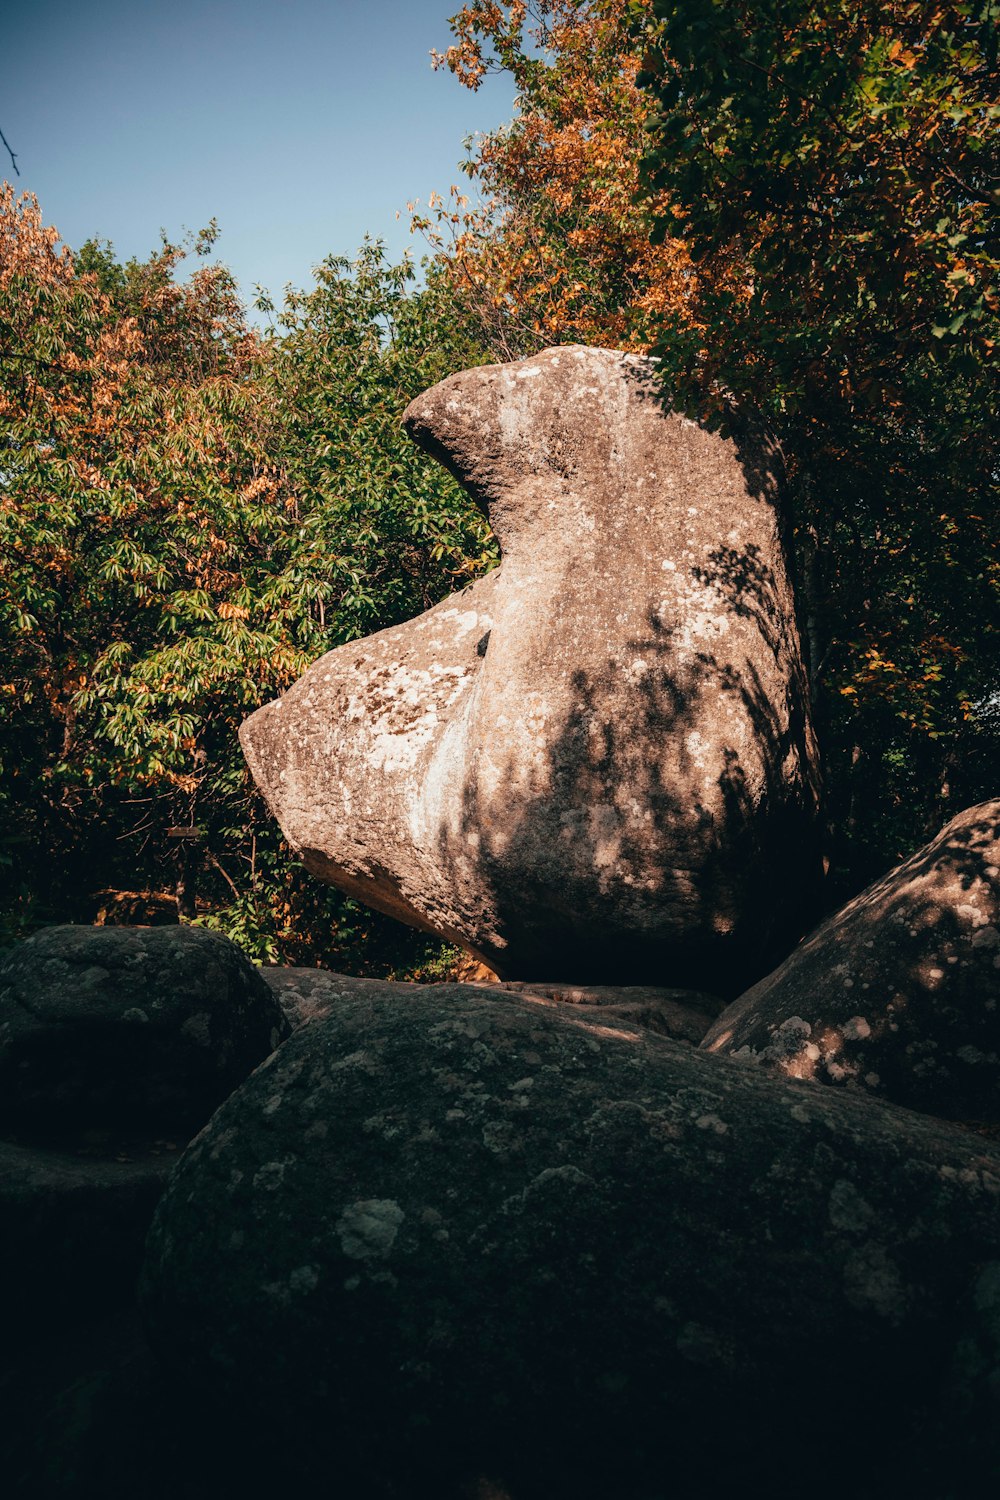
[
  {"x": 898, "y": 994},
  {"x": 144, "y": 1027},
  {"x": 453, "y": 1236}
]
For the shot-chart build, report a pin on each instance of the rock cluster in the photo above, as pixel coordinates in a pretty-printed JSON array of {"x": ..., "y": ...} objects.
[
  {"x": 598, "y": 759},
  {"x": 521, "y": 1239}
]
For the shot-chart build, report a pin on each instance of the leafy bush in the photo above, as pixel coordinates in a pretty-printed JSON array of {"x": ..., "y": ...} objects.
[{"x": 191, "y": 513}]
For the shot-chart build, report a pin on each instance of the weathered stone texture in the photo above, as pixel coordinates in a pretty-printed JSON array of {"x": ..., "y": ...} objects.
[
  {"x": 899, "y": 993},
  {"x": 596, "y": 761},
  {"x": 306, "y": 994},
  {"x": 468, "y": 1235},
  {"x": 686, "y": 1015},
  {"x": 127, "y": 1027}
]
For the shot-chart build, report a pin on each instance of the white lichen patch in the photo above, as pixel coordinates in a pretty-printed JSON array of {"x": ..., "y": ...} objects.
[
  {"x": 198, "y": 1028},
  {"x": 847, "y": 1209},
  {"x": 368, "y": 1229},
  {"x": 304, "y": 1279},
  {"x": 269, "y": 1177},
  {"x": 872, "y": 1283}
]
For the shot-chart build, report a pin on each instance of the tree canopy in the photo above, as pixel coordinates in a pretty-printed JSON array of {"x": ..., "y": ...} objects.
[
  {"x": 190, "y": 513},
  {"x": 845, "y": 156},
  {"x": 558, "y": 246}
]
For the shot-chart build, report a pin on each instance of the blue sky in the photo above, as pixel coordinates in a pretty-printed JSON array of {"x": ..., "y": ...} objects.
[{"x": 300, "y": 126}]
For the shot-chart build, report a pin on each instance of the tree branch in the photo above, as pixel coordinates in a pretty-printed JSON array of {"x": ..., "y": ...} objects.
[{"x": 10, "y": 153}]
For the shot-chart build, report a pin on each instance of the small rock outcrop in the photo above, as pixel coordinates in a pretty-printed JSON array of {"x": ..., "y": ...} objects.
[
  {"x": 898, "y": 993},
  {"x": 468, "y": 1235},
  {"x": 307, "y": 994},
  {"x": 72, "y": 1226},
  {"x": 597, "y": 759},
  {"x": 116, "y": 1045},
  {"x": 128, "y": 1027},
  {"x": 685, "y": 1015}
]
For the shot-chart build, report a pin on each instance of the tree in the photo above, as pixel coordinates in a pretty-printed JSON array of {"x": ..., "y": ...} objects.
[
  {"x": 845, "y": 156},
  {"x": 190, "y": 513},
  {"x": 560, "y": 249}
]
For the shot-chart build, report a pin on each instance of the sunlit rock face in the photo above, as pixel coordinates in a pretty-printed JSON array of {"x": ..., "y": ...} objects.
[
  {"x": 597, "y": 761},
  {"x": 899, "y": 993}
]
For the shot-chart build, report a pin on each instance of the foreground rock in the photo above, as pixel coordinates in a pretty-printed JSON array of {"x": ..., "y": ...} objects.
[
  {"x": 464, "y": 1236},
  {"x": 899, "y": 993},
  {"x": 72, "y": 1227},
  {"x": 125, "y": 1027},
  {"x": 559, "y": 772}
]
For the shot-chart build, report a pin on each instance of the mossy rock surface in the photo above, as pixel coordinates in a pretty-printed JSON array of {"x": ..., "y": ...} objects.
[{"x": 450, "y": 1235}]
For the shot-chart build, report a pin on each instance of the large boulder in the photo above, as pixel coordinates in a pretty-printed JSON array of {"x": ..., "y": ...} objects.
[
  {"x": 598, "y": 759},
  {"x": 128, "y": 1028},
  {"x": 898, "y": 993},
  {"x": 465, "y": 1235}
]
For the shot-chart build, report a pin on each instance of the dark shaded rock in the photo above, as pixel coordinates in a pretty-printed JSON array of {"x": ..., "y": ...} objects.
[
  {"x": 468, "y": 1235},
  {"x": 560, "y": 771},
  {"x": 899, "y": 993},
  {"x": 88, "y": 1413},
  {"x": 686, "y": 1015},
  {"x": 73, "y": 1226},
  {"x": 116, "y": 1026}
]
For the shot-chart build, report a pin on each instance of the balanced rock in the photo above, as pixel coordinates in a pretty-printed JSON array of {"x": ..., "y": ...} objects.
[
  {"x": 899, "y": 993},
  {"x": 459, "y": 1236},
  {"x": 128, "y": 1027},
  {"x": 597, "y": 759}
]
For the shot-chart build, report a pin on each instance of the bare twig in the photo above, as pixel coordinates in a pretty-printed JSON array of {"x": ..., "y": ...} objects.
[
  {"x": 10, "y": 153},
  {"x": 215, "y": 865}
]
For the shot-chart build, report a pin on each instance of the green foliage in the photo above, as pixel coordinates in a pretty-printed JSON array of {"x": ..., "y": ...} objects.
[
  {"x": 189, "y": 515},
  {"x": 832, "y": 168},
  {"x": 850, "y": 150},
  {"x": 385, "y": 533}
]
